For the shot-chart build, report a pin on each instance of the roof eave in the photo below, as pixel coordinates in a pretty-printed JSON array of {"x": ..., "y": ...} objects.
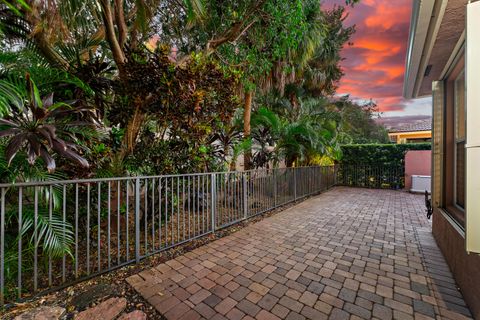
[{"x": 420, "y": 40}]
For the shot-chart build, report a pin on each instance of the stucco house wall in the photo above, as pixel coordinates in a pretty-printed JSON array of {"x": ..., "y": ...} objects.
[{"x": 417, "y": 162}]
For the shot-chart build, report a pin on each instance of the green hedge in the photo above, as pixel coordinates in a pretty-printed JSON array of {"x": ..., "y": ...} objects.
[{"x": 379, "y": 154}]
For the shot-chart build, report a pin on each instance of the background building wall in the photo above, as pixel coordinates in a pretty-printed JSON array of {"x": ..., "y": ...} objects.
[{"x": 417, "y": 162}]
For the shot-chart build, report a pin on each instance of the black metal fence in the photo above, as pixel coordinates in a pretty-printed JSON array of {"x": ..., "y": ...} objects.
[
  {"x": 57, "y": 232},
  {"x": 371, "y": 176}
]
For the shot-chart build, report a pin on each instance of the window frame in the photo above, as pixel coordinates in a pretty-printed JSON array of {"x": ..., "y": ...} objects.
[{"x": 450, "y": 155}]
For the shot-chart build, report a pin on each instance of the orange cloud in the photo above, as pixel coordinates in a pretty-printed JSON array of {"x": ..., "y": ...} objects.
[
  {"x": 374, "y": 64},
  {"x": 388, "y": 14}
]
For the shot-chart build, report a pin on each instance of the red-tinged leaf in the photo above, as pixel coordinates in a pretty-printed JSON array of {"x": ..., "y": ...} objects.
[
  {"x": 8, "y": 123},
  {"x": 34, "y": 143},
  {"x": 49, "y": 161},
  {"x": 59, "y": 145},
  {"x": 51, "y": 129},
  {"x": 39, "y": 114},
  {"x": 70, "y": 145},
  {"x": 71, "y": 136},
  {"x": 9, "y": 132},
  {"x": 32, "y": 157},
  {"x": 47, "y": 101},
  {"x": 46, "y": 134},
  {"x": 14, "y": 145},
  {"x": 69, "y": 154}
]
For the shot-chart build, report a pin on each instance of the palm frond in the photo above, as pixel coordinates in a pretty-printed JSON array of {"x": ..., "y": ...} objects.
[
  {"x": 195, "y": 11},
  {"x": 54, "y": 235}
]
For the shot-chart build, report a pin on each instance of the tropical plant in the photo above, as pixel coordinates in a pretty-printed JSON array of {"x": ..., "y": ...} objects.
[
  {"x": 224, "y": 142},
  {"x": 37, "y": 125},
  {"x": 40, "y": 228},
  {"x": 298, "y": 135}
]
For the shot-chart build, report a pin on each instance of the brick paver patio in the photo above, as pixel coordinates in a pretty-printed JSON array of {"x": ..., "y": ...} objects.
[{"x": 345, "y": 254}]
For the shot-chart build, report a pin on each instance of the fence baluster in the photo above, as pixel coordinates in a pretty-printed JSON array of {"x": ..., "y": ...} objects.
[
  {"x": 145, "y": 217},
  {"x": 109, "y": 195},
  {"x": 213, "y": 196},
  {"x": 245, "y": 195},
  {"x": 50, "y": 217},
  {"x": 99, "y": 240},
  {"x": 88, "y": 229},
  {"x": 127, "y": 222},
  {"x": 76, "y": 230},
  {"x": 35, "y": 239},
  {"x": 137, "y": 220},
  {"x": 119, "y": 192},
  {"x": 2, "y": 248},
  {"x": 64, "y": 219},
  {"x": 294, "y": 184},
  {"x": 20, "y": 225}
]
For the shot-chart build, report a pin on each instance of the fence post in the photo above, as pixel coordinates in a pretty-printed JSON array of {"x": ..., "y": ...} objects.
[
  {"x": 335, "y": 175},
  {"x": 245, "y": 196},
  {"x": 213, "y": 192},
  {"x": 295, "y": 183},
  {"x": 275, "y": 188},
  {"x": 137, "y": 220}
]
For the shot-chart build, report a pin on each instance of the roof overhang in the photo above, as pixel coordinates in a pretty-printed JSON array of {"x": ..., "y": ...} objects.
[{"x": 436, "y": 37}]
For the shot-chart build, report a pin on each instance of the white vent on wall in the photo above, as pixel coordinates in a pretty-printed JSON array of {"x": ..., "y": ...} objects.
[{"x": 421, "y": 183}]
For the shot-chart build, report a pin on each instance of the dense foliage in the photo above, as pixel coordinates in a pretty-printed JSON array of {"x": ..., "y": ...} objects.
[
  {"x": 167, "y": 77},
  {"x": 379, "y": 154},
  {"x": 357, "y": 123}
]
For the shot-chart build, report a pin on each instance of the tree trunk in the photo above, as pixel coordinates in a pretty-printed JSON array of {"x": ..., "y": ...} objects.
[
  {"x": 247, "y": 156},
  {"x": 132, "y": 130}
]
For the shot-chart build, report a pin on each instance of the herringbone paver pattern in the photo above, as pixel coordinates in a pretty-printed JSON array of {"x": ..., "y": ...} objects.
[{"x": 346, "y": 254}]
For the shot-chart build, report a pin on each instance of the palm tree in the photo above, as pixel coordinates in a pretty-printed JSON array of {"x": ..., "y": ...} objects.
[{"x": 297, "y": 135}]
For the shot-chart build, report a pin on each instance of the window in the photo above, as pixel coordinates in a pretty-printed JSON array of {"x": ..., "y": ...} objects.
[
  {"x": 460, "y": 140},
  {"x": 455, "y": 134}
]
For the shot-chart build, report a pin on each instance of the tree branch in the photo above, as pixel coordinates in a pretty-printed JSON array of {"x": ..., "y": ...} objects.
[
  {"x": 39, "y": 37},
  {"x": 236, "y": 30},
  {"x": 121, "y": 25},
  {"x": 115, "y": 47}
]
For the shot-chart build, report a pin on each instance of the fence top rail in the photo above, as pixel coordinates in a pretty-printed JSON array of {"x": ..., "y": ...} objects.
[
  {"x": 371, "y": 165},
  {"x": 133, "y": 178}
]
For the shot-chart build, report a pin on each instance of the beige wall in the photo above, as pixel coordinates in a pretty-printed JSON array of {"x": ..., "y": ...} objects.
[{"x": 402, "y": 137}]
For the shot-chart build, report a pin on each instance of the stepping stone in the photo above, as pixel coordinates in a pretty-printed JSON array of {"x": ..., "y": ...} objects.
[
  {"x": 134, "y": 315},
  {"x": 107, "y": 310},
  {"x": 97, "y": 292},
  {"x": 42, "y": 313}
]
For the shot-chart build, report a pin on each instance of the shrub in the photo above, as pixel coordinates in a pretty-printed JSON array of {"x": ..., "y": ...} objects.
[{"x": 379, "y": 154}]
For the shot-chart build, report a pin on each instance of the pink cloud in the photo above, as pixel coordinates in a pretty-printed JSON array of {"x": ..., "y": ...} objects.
[{"x": 374, "y": 65}]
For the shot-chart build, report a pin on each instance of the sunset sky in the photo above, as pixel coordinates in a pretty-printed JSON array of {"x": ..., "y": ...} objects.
[{"x": 374, "y": 65}]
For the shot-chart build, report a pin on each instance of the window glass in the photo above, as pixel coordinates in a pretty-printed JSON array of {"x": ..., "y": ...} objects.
[
  {"x": 460, "y": 107},
  {"x": 460, "y": 140}
]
